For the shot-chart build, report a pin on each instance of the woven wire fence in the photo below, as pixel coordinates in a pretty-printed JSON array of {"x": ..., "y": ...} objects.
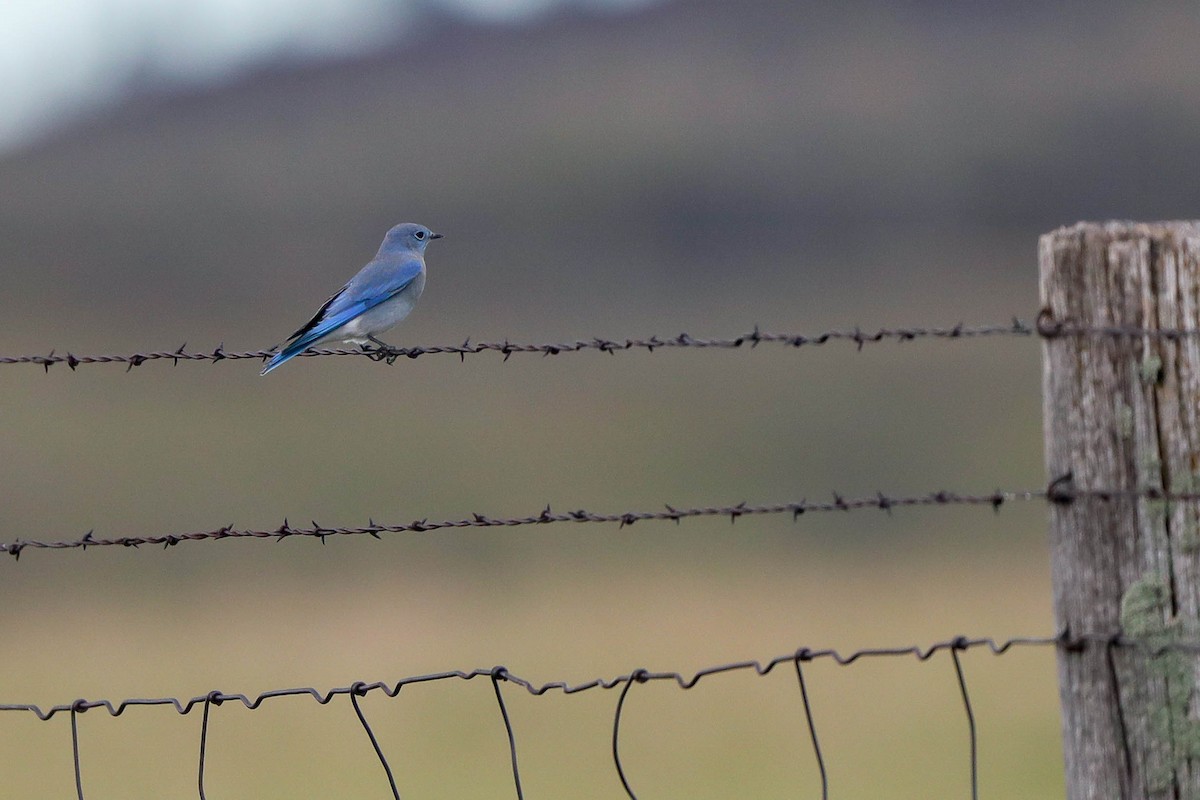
[
  {"x": 500, "y": 675},
  {"x": 1060, "y": 490}
]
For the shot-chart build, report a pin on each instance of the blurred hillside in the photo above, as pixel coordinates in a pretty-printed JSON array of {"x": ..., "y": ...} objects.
[{"x": 691, "y": 150}]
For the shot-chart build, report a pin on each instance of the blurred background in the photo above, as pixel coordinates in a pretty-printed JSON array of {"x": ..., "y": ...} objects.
[{"x": 208, "y": 171}]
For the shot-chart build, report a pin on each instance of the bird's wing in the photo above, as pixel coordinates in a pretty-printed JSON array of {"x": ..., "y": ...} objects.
[
  {"x": 380, "y": 280},
  {"x": 377, "y": 282},
  {"x": 320, "y": 315}
]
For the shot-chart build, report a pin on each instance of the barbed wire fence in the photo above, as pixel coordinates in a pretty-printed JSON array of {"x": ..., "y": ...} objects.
[
  {"x": 1061, "y": 491},
  {"x": 796, "y": 509},
  {"x": 1045, "y": 327},
  {"x": 506, "y": 348}
]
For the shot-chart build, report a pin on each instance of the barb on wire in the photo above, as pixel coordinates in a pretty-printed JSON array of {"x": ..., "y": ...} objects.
[
  {"x": 359, "y": 688},
  {"x": 611, "y": 346},
  {"x": 878, "y": 501},
  {"x": 804, "y": 654}
]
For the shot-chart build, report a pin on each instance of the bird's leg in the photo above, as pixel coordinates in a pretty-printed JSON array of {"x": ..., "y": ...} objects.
[
  {"x": 383, "y": 350},
  {"x": 382, "y": 345}
]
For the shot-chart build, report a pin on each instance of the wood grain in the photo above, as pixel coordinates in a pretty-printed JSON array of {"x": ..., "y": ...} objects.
[{"x": 1121, "y": 412}]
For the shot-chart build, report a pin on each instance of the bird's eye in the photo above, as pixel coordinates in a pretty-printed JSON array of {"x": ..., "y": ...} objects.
[{"x": 420, "y": 235}]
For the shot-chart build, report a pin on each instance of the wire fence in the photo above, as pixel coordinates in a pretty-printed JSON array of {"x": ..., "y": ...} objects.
[
  {"x": 1060, "y": 490},
  {"x": 499, "y": 675}
]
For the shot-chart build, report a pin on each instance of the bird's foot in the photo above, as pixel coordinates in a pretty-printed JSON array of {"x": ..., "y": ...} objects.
[{"x": 382, "y": 351}]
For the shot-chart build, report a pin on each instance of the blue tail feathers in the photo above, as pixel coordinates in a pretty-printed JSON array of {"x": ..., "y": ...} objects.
[{"x": 286, "y": 354}]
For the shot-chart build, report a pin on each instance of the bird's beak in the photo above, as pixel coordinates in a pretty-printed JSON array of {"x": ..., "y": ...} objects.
[{"x": 436, "y": 235}]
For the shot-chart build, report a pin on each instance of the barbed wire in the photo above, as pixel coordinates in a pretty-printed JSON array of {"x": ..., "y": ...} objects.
[
  {"x": 1045, "y": 327},
  {"x": 1060, "y": 491},
  {"x": 499, "y": 674},
  {"x": 838, "y": 502},
  {"x": 611, "y": 346}
]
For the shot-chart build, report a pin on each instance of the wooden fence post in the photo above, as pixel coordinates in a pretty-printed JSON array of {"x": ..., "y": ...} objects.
[{"x": 1123, "y": 412}]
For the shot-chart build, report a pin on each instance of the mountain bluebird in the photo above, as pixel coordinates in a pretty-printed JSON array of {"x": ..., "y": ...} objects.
[{"x": 379, "y": 296}]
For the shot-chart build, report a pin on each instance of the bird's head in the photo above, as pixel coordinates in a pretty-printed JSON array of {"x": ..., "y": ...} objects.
[{"x": 408, "y": 236}]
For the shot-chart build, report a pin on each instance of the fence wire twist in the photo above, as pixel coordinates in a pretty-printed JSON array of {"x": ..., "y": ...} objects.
[{"x": 499, "y": 674}]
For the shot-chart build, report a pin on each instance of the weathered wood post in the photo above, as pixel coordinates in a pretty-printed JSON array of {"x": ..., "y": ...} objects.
[{"x": 1122, "y": 411}]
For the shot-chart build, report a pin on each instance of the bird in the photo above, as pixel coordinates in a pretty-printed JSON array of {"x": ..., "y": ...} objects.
[{"x": 379, "y": 296}]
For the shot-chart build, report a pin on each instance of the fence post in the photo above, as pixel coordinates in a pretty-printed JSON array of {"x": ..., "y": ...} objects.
[{"x": 1123, "y": 412}]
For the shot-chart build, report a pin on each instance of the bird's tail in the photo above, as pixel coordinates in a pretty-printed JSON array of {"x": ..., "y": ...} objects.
[{"x": 286, "y": 354}]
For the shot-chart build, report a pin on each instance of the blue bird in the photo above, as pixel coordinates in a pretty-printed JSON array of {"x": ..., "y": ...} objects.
[{"x": 380, "y": 295}]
